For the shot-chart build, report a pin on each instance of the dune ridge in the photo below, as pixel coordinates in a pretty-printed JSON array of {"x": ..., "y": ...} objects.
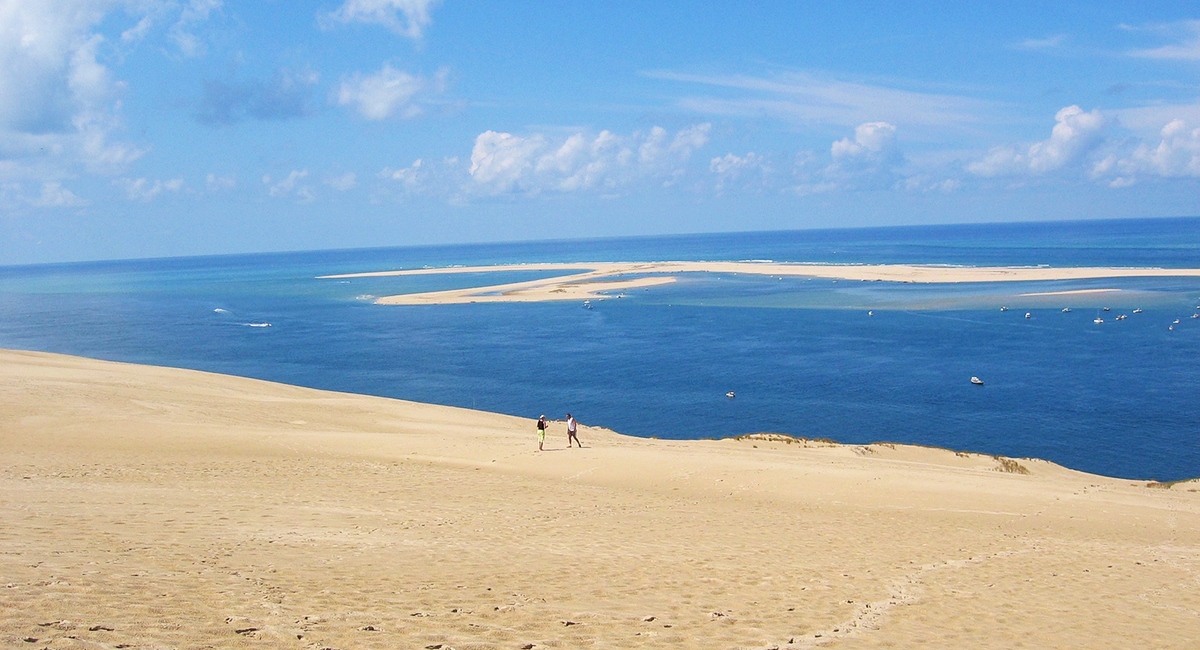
[{"x": 158, "y": 507}]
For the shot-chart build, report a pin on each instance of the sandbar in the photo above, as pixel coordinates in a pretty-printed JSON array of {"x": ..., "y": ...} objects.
[
  {"x": 155, "y": 507},
  {"x": 598, "y": 280}
]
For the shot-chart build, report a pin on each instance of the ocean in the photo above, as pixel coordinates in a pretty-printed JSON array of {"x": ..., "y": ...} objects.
[{"x": 802, "y": 355}]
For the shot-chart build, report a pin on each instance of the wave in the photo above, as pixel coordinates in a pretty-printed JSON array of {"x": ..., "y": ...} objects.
[{"x": 256, "y": 324}]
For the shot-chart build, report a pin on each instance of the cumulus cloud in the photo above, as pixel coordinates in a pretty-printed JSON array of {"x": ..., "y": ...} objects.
[
  {"x": 291, "y": 185},
  {"x": 1075, "y": 134},
  {"x": 143, "y": 190},
  {"x": 503, "y": 162},
  {"x": 286, "y": 95},
  {"x": 1175, "y": 155},
  {"x": 59, "y": 102},
  {"x": 388, "y": 93},
  {"x": 404, "y": 17},
  {"x": 868, "y": 161},
  {"x": 730, "y": 168},
  {"x": 409, "y": 177},
  {"x": 54, "y": 195}
]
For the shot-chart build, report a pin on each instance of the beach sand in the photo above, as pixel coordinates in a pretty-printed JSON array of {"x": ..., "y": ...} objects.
[
  {"x": 595, "y": 280},
  {"x": 147, "y": 507}
]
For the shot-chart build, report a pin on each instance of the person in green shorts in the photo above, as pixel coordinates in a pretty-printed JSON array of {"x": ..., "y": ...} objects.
[{"x": 541, "y": 428}]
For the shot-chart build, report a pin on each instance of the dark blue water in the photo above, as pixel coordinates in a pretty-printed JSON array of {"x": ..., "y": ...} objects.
[{"x": 802, "y": 355}]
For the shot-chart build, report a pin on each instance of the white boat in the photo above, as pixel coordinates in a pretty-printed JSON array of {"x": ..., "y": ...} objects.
[
  {"x": 870, "y": 313},
  {"x": 1098, "y": 320},
  {"x": 1175, "y": 322},
  {"x": 1066, "y": 310},
  {"x": 1004, "y": 309},
  {"x": 1106, "y": 309},
  {"x": 977, "y": 381},
  {"x": 1028, "y": 315},
  {"x": 731, "y": 395},
  {"x": 1138, "y": 310},
  {"x": 1122, "y": 317}
]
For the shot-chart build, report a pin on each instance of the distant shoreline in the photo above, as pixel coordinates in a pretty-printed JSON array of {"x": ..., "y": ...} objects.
[{"x": 593, "y": 280}]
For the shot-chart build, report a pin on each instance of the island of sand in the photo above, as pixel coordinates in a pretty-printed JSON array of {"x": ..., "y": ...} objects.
[
  {"x": 149, "y": 507},
  {"x": 599, "y": 280}
]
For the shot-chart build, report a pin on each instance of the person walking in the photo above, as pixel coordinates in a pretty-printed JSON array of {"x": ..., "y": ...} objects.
[
  {"x": 541, "y": 429},
  {"x": 571, "y": 426}
]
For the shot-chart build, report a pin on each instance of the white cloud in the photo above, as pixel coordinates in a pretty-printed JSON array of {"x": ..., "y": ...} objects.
[
  {"x": 1075, "y": 134},
  {"x": 810, "y": 99},
  {"x": 59, "y": 101},
  {"x": 344, "y": 182},
  {"x": 503, "y": 162},
  {"x": 54, "y": 195},
  {"x": 290, "y": 186},
  {"x": 500, "y": 160},
  {"x": 143, "y": 190},
  {"x": 1047, "y": 43},
  {"x": 195, "y": 12},
  {"x": 409, "y": 177},
  {"x": 404, "y": 17},
  {"x": 1175, "y": 155},
  {"x": 216, "y": 183},
  {"x": 388, "y": 93},
  {"x": 1187, "y": 33},
  {"x": 732, "y": 168}
]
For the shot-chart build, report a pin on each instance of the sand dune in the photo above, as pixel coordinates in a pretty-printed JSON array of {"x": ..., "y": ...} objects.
[
  {"x": 595, "y": 280},
  {"x": 148, "y": 507}
]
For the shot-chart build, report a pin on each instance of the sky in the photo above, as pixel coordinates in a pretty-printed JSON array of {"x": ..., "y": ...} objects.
[{"x": 156, "y": 128}]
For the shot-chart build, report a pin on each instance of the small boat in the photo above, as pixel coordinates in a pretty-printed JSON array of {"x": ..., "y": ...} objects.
[
  {"x": 1170, "y": 328},
  {"x": 1195, "y": 315},
  {"x": 1098, "y": 320},
  {"x": 1004, "y": 309},
  {"x": 977, "y": 381},
  {"x": 1175, "y": 322},
  {"x": 1066, "y": 310},
  {"x": 731, "y": 394},
  {"x": 870, "y": 313},
  {"x": 1122, "y": 317},
  {"x": 1138, "y": 310},
  {"x": 1106, "y": 309},
  {"x": 1028, "y": 315}
]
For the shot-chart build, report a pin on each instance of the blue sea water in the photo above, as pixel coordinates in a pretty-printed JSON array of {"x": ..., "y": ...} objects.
[{"x": 802, "y": 355}]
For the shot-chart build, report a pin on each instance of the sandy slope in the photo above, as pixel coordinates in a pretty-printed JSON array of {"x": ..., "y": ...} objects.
[
  {"x": 592, "y": 280},
  {"x": 154, "y": 508}
]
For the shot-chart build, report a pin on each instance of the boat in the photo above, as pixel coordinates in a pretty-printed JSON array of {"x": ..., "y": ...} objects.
[
  {"x": 870, "y": 313},
  {"x": 731, "y": 395},
  {"x": 1122, "y": 317},
  {"x": 1195, "y": 315},
  {"x": 977, "y": 381},
  {"x": 1106, "y": 309},
  {"x": 1066, "y": 310},
  {"x": 1028, "y": 315},
  {"x": 1175, "y": 322},
  {"x": 1138, "y": 310},
  {"x": 1098, "y": 320},
  {"x": 1004, "y": 309}
]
